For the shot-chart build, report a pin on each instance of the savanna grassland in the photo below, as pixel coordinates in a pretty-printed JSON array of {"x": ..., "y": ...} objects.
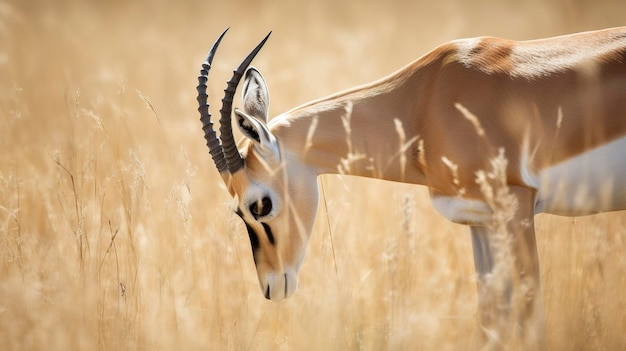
[{"x": 116, "y": 232}]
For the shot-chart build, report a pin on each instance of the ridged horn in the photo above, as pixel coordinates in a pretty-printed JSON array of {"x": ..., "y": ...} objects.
[
  {"x": 233, "y": 157},
  {"x": 212, "y": 141}
]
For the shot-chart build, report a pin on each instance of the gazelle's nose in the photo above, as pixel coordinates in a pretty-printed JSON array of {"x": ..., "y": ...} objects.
[{"x": 279, "y": 286}]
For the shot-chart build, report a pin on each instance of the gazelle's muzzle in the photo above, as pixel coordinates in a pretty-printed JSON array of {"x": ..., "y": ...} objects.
[{"x": 277, "y": 286}]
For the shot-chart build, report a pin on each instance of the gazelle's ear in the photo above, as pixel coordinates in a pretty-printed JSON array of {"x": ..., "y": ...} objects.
[
  {"x": 256, "y": 96},
  {"x": 252, "y": 120},
  {"x": 256, "y": 130}
]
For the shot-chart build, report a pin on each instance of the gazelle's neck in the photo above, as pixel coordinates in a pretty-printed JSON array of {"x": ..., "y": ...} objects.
[{"x": 368, "y": 131}]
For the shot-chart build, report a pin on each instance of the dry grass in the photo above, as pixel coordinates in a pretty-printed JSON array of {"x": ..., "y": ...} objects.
[{"x": 115, "y": 231}]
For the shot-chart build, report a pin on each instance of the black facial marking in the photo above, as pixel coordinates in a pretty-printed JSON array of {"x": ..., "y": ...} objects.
[
  {"x": 254, "y": 239},
  {"x": 268, "y": 231}
]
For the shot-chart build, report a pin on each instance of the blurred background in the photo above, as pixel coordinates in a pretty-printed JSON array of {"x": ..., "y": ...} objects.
[{"x": 117, "y": 234}]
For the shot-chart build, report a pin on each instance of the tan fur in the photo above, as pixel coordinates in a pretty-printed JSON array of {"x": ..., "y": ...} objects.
[{"x": 478, "y": 74}]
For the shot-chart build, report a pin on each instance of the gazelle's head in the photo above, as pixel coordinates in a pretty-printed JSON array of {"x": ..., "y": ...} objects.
[{"x": 276, "y": 195}]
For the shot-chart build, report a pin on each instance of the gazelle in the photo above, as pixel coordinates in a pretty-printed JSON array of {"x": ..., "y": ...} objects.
[{"x": 554, "y": 109}]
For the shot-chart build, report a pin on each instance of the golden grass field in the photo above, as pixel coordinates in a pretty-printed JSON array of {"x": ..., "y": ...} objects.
[{"x": 116, "y": 232}]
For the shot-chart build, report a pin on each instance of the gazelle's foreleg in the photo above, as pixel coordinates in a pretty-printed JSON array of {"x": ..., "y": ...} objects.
[{"x": 506, "y": 260}]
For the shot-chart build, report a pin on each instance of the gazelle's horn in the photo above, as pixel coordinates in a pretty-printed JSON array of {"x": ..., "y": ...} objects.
[
  {"x": 212, "y": 141},
  {"x": 233, "y": 157}
]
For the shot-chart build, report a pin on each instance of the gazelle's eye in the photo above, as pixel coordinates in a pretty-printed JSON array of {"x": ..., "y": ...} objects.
[{"x": 261, "y": 208}]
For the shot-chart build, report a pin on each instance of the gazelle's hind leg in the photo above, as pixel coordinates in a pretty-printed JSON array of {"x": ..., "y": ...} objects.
[{"x": 505, "y": 255}]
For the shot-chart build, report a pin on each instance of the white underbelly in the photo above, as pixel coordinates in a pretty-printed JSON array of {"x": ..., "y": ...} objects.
[{"x": 590, "y": 183}]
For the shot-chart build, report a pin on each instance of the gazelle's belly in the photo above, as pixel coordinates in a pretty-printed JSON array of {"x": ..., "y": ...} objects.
[{"x": 590, "y": 183}]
